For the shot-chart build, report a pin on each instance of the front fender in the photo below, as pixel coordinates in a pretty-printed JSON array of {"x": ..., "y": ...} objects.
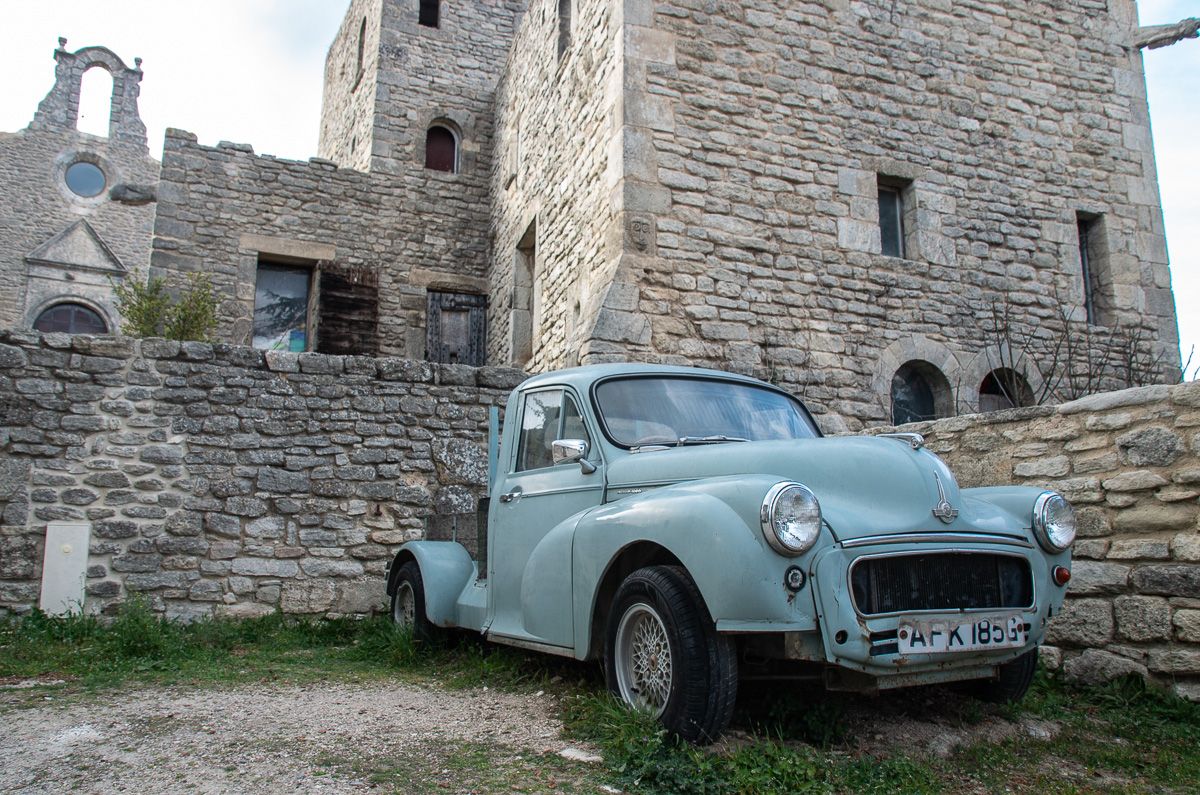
[
  {"x": 712, "y": 527},
  {"x": 446, "y": 569}
]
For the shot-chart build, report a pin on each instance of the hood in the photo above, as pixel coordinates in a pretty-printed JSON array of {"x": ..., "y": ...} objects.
[{"x": 866, "y": 485}]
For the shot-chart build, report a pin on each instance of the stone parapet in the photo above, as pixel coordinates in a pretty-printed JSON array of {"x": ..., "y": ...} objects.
[
  {"x": 221, "y": 481},
  {"x": 1129, "y": 461}
]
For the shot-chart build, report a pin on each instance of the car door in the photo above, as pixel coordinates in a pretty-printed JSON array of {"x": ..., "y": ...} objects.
[{"x": 533, "y": 521}]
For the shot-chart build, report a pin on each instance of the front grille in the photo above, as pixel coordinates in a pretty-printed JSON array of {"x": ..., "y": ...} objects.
[{"x": 943, "y": 581}]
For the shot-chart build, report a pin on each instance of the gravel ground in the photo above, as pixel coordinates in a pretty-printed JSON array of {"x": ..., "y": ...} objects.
[{"x": 266, "y": 738}]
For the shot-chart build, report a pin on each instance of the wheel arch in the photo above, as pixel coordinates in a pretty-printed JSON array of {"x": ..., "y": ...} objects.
[
  {"x": 628, "y": 559},
  {"x": 446, "y": 569}
]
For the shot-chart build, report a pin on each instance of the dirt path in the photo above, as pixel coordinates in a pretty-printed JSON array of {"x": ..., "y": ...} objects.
[{"x": 330, "y": 738}]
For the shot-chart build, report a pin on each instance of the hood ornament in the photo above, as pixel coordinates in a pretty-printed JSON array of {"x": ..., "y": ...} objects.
[{"x": 944, "y": 510}]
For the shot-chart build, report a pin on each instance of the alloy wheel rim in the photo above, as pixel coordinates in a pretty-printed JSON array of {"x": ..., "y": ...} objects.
[
  {"x": 405, "y": 609},
  {"x": 644, "y": 666}
]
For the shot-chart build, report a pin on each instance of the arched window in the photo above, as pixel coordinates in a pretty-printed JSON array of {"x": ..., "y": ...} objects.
[
  {"x": 71, "y": 319},
  {"x": 1004, "y": 388},
  {"x": 919, "y": 392},
  {"x": 428, "y": 13},
  {"x": 95, "y": 101},
  {"x": 441, "y": 149}
]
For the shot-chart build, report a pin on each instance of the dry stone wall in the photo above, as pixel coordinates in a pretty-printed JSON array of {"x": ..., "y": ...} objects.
[
  {"x": 219, "y": 480},
  {"x": 1129, "y": 461}
]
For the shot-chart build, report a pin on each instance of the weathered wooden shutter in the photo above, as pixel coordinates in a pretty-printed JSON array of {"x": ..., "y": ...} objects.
[
  {"x": 456, "y": 329},
  {"x": 348, "y": 312}
]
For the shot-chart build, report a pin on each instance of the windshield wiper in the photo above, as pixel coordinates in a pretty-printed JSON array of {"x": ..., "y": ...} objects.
[{"x": 649, "y": 443}]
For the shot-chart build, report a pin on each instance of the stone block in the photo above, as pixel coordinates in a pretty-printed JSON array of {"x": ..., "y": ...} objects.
[
  {"x": 1091, "y": 578},
  {"x": 1186, "y": 547},
  {"x": 460, "y": 462},
  {"x": 331, "y": 568},
  {"x": 1167, "y": 580},
  {"x": 307, "y": 596},
  {"x": 1140, "y": 549},
  {"x": 265, "y": 567},
  {"x": 1082, "y": 622},
  {"x": 244, "y": 610},
  {"x": 1155, "y": 518},
  {"x": 1095, "y": 667},
  {"x": 282, "y": 481},
  {"x": 1138, "y": 480},
  {"x": 1053, "y": 467},
  {"x": 1142, "y": 618},
  {"x": 1175, "y": 661},
  {"x": 1158, "y": 447},
  {"x": 1187, "y": 625}
]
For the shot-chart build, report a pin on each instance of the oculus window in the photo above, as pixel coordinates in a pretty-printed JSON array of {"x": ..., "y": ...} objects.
[
  {"x": 85, "y": 179},
  {"x": 70, "y": 319}
]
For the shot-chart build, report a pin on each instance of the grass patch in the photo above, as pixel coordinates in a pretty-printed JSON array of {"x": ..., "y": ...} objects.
[{"x": 1125, "y": 737}]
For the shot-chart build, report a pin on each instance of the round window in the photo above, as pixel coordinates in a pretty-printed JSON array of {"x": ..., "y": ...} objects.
[{"x": 85, "y": 179}]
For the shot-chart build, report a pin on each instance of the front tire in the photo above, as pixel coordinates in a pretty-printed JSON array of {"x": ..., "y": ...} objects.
[
  {"x": 663, "y": 655},
  {"x": 1012, "y": 682},
  {"x": 408, "y": 603}
]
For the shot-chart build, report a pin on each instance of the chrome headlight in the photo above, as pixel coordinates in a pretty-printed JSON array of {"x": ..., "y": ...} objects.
[
  {"x": 1053, "y": 522},
  {"x": 791, "y": 518}
]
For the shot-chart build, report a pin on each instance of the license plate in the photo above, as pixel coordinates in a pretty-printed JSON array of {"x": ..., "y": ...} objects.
[{"x": 937, "y": 635}]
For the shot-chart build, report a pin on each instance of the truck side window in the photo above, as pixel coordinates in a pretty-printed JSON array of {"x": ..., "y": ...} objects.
[
  {"x": 573, "y": 424},
  {"x": 539, "y": 429}
]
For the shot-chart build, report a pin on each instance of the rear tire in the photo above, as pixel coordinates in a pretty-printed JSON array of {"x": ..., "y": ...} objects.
[
  {"x": 408, "y": 603},
  {"x": 663, "y": 655},
  {"x": 1012, "y": 682}
]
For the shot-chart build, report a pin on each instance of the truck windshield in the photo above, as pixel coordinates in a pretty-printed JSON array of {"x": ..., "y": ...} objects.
[{"x": 664, "y": 410}]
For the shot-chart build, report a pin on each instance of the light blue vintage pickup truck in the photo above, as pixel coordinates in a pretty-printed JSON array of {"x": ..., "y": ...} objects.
[{"x": 689, "y": 527}]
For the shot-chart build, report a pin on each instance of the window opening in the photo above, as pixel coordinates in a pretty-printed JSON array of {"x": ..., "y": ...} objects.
[
  {"x": 895, "y": 205},
  {"x": 70, "y": 318},
  {"x": 919, "y": 392},
  {"x": 362, "y": 49},
  {"x": 456, "y": 328},
  {"x": 347, "y": 310},
  {"x": 281, "y": 311},
  {"x": 564, "y": 26},
  {"x": 85, "y": 179},
  {"x": 1094, "y": 269},
  {"x": 429, "y": 12},
  {"x": 95, "y": 102},
  {"x": 1004, "y": 388},
  {"x": 521, "y": 323},
  {"x": 441, "y": 149}
]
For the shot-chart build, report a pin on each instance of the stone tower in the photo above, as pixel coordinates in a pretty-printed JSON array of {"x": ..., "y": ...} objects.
[{"x": 76, "y": 210}]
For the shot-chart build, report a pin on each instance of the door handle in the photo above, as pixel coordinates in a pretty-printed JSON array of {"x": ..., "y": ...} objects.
[{"x": 512, "y": 495}]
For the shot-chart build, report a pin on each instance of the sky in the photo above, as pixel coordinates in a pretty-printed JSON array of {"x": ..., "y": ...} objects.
[{"x": 251, "y": 71}]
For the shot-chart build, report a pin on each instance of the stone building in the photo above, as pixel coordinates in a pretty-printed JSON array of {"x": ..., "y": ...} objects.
[
  {"x": 76, "y": 210},
  {"x": 898, "y": 211}
]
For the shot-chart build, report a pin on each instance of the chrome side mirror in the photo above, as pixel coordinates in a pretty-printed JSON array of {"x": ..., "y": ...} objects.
[{"x": 567, "y": 451}]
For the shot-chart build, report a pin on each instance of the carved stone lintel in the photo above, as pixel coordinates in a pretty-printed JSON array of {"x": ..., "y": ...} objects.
[{"x": 1154, "y": 36}]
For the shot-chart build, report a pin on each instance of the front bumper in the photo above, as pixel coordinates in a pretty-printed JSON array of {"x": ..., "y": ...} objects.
[{"x": 867, "y": 643}]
